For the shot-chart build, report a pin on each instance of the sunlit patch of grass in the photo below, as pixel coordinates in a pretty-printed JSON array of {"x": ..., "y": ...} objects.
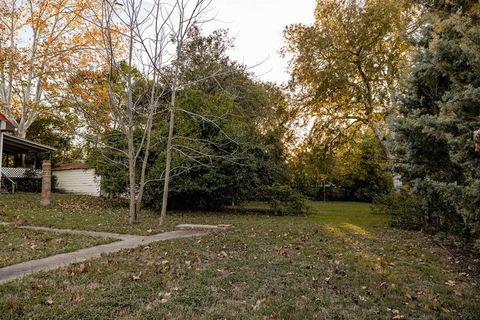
[
  {"x": 356, "y": 230},
  {"x": 335, "y": 230},
  {"x": 358, "y": 214}
]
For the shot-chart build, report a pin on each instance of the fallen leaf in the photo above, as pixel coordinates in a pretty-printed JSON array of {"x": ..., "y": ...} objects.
[
  {"x": 223, "y": 254},
  {"x": 259, "y": 303},
  {"x": 77, "y": 297},
  {"x": 410, "y": 297},
  {"x": 136, "y": 277},
  {"x": 193, "y": 254},
  {"x": 165, "y": 269},
  {"x": 281, "y": 251},
  {"x": 450, "y": 283},
  {"x": 82, "y": 268},
  {"x": 166, "y": 297}
]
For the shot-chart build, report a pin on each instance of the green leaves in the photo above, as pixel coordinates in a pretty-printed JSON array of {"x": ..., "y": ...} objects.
[{"x": 440, "y": 112}]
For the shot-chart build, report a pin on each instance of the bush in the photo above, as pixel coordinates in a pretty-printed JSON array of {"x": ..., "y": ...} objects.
[
  {"x": 283, "y": 200},
  {"x": 30, "y": 182},
  {"x": 403, "y": 208}
]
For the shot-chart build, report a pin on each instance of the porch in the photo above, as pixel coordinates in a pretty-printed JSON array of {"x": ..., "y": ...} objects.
[{"x": 11, "y": 146}]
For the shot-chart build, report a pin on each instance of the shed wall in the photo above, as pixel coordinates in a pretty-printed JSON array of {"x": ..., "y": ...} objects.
[{"x": 78, "y": 181}]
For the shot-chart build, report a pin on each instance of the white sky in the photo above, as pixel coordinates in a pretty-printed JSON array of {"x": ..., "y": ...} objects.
[{"x": 257, "y": 26}]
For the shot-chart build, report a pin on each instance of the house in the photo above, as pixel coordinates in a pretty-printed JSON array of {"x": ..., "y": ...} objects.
[
  {"x": 11, "y": 146},
  {"x": 77, "y": 178}
]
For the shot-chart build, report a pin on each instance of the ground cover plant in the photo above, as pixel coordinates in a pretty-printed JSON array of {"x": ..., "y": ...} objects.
[
  {"x": 20, "y": 245},
  {"x": 339, "y": 262}
]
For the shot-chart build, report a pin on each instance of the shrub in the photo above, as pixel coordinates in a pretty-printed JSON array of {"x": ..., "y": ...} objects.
[
  {"x": 30, "y": 182},
  {"x": 403, "y": 208},
  {"x": 284, "y": 200}
]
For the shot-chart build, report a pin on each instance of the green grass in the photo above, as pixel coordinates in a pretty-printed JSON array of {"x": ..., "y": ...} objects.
[
  {"x": 75, "y": 212},
  {"x": 340, "y": 262},
  {"x": 19, "y": 245}
]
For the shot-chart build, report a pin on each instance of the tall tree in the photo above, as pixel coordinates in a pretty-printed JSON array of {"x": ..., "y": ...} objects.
[
  {"x": 134, "y": 36},
  {"x": 347, "y": 66},
  {"x": 228, "y": 129},
  {"x": 440, "y": 113},
  {"x": 41, "y": 43},
  {"x": 189, "y": 14}
]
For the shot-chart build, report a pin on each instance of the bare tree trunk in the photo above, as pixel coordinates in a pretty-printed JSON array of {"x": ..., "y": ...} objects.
[
  {"x": 144, "y": 164},
  {"x": 132, "y": 214},
  {"x": 156, "y": 62},
  {"x": 168, "y": 163},
  {"x": 22, "y": 133},
  {"x": 396, "y": 177},
  {"x": 168, "y": 160},
  {"x": 130, "y": 130}
]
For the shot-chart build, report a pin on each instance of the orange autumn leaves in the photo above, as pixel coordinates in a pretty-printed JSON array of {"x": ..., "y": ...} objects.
[{"x": 42, "y": 44}]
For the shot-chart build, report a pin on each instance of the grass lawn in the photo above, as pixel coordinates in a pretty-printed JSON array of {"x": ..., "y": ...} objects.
[
  {"x": 76, "y": 212},
  {"x": 19, "y": 245},
  {"x": 340, "y": 262}
]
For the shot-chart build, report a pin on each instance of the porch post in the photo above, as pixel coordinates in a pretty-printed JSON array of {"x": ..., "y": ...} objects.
[{"x": 46, "y": 182}]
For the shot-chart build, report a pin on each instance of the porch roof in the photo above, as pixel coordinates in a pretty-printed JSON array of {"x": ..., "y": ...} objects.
[{"x": 16, "y": 145}]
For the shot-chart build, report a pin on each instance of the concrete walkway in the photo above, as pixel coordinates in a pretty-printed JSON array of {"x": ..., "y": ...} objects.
[
  {"x": 61, "y": 260},
  {"x": 73, "y": 231}
]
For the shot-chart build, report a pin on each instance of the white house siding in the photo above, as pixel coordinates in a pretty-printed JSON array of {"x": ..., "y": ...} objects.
[{"x": 78, "y": 181}]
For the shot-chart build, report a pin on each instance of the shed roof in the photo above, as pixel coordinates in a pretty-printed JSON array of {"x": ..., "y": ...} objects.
[{"x": 72, "y": 166}]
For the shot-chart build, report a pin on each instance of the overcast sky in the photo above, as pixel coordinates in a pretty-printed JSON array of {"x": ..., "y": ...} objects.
[{"x": 257, "y": 26}]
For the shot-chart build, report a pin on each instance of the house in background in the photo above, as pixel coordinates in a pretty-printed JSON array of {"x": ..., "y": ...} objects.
[
  {"x": 11, "y": 146},
  {"x": 77, "y": 178}
]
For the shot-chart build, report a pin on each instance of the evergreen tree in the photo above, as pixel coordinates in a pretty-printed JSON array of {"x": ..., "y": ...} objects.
[{"x": 439, "y": 113}]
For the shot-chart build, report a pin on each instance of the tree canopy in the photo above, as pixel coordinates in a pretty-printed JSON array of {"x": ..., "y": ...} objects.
[{"x": 347, "y": 66}]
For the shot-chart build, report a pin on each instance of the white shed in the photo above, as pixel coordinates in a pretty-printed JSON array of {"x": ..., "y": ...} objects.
[{"x": 77, "y": 178}]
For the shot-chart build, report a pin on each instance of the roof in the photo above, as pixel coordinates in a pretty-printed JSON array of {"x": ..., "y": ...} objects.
[
  {"x": 16, "y": 145},
  {"x": 72, "y": 166},
  {"x": 3, "y": 118}
]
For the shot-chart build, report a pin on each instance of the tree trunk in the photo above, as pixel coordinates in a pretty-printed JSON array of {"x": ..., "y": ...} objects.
[
  {"x": 144, "y": 165},
  {"x": 168, "y": 163},
  {"x": 22, "y": 133},
  {"x": 132, "y": 215},
  {"x": 173, "y": 101},
  {"x": 396, "y": 177}
]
